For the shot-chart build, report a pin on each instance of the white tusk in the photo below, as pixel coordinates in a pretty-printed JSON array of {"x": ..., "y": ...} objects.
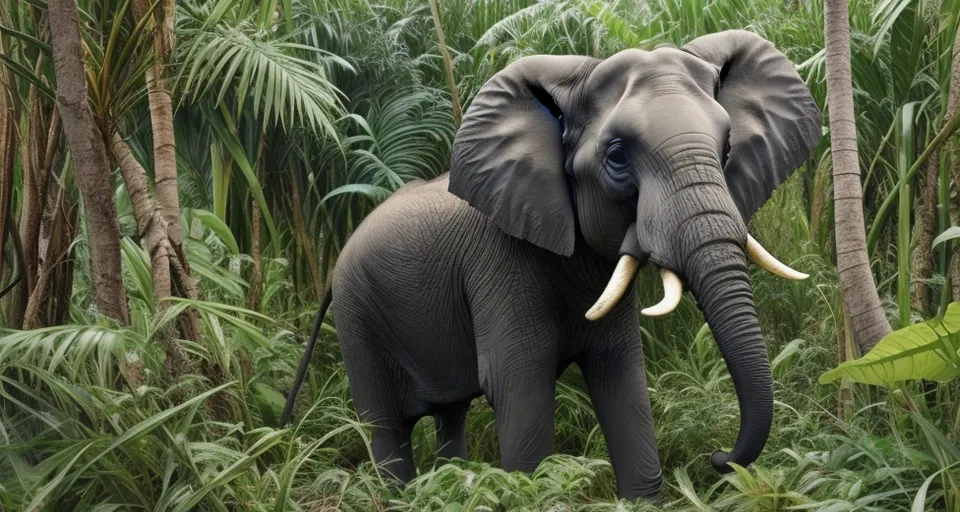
[
  {"x": 619, "y": 282},
  {"x": 766, "y": 260},
  {"x": 672, "y": 290}
]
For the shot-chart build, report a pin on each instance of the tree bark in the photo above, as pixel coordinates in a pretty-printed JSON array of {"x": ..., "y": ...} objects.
[
  {"x": 953, "y": 108},
  {"x": 255, "y": 293},
  {"x": 164, "y": 267},
  {"x": 61, "y": 291},
  {"x": 161, "y": 117},
  {"x": 35, "y": 189},
  {"x": 89, "y": 152},
  {"x": 51, "y": 295},
  {"x": 868, "y": 323},
  {"x": 150, "y": 222},
  {"x": 924, "y": 230},
  {"x": 34, "y": 183},
  {"x": 8, "y": 126}
]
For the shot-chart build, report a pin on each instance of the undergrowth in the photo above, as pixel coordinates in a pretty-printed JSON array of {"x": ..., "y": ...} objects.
[{"x": 90, "y": 423}]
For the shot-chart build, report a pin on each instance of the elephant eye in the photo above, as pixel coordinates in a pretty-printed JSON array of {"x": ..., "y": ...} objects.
[{"x": 617, "y": 156}]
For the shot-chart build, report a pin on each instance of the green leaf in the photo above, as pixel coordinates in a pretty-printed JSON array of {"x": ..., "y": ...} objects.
[
  {"x": 227, "y": 134},
  {"x": 24, "y": 73},
  {"x": 271, "y": 439},
  {"x": 219, "y": 227},
  {"x": 38, "y": 499},
  {"x": 920, "y": 351},
  {"x": 270, "y": 402},
  {"x": 27, "y": 38},
  {"x": 950, "y": 233},
  {"x": 919, "y": 502},
  {"x": 146, "y": 426},
  {"x": 372, "y": 191}
]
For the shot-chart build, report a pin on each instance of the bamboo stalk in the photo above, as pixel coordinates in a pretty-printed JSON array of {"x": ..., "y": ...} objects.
[{"x": 905, "y": 151}]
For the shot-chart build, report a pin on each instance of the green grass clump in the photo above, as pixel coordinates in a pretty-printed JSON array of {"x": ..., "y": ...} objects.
[{"x": 89, "y": 420}]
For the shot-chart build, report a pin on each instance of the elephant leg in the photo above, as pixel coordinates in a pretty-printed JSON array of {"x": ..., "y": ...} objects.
[
  {"x": 451, "y": 430},
  {"x": 384, "y": 395},
  {"x": 523, "y": 405},
  {"x": 618, "y": 388},
  {"x": 392, "y": 450}
]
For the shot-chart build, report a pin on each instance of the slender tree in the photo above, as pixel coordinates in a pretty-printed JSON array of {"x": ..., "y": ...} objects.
[
  {"x": 166, "y": 272},
  {"x": 161, "y": 114},
  {"x": 8, "y": 126},
  {"x": 953, "y": 109},
  {"x": 49, "y": 302},
  {"x": 89, "y": 153},
  {"x": 865, "y": 314},
  {"x": 925, "y": 226},
  {"x": 924, "y": 229}
]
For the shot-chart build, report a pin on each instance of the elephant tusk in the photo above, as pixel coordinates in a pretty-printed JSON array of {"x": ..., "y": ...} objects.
[
  {"x": 619, "y": 282},
  {"x": 672, "y": 290},
  {"x": 766, "y": 260}
]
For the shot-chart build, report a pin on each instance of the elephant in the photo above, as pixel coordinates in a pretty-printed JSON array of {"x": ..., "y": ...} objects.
[{"x": 567, "y": 174}]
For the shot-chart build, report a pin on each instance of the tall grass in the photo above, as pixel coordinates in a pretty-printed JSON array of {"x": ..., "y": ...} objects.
[{"x": 88, "y": 420}]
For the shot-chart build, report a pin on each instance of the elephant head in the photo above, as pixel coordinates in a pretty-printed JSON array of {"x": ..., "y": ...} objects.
[{"x": 659, "y": 156}]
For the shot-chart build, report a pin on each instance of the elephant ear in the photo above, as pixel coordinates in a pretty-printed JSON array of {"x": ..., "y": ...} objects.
[
  {"x": 508, "y": 156},
  {"x": 774, "y": 121}
]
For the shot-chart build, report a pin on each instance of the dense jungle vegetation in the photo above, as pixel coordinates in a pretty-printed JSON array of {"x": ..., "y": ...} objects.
[{"x": 291, "y": 120}]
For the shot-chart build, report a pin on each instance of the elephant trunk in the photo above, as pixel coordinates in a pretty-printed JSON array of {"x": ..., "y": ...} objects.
[{"x": 717, "y": 276}]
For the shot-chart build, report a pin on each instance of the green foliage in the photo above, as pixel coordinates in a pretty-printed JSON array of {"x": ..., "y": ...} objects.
[
  {"x": 348, "y": 100},
  {"x": 921, "y": 351}
]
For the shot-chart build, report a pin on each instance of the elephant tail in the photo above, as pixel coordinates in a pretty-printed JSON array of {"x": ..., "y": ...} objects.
[{"x": 307, "y": 355}]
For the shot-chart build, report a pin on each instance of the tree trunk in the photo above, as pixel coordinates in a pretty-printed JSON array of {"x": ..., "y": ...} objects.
[
  {"x": 50, "y": 300},
  {"x": 86, "y": 145},
  {"x": 161, "y": 117},
  {"x": 150, "y": 222},
  {"x": 953, "y": 109},
  {"x": 868, "y": 323},
  {"x": 924, "y": 230},
  {"x": 164, "y": 267},
  {"x": 32, "y": 143},
  {"x": 300, "y": 225},
  {"x": 255, "y": 293},
  {"x": 64, "y": 233},
  {"x": 34, "y": 185},
  {"x": 8, "y": 126}
]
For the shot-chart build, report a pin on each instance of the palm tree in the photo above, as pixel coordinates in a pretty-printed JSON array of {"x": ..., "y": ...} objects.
[
  {"x": 89, "y": 154},
  {"x": 867, "y": 320},
  {"x": 161, "y": 114}
]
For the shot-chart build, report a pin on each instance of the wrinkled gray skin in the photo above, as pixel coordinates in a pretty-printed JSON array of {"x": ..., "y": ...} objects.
[{"x": 477, "y": 282}]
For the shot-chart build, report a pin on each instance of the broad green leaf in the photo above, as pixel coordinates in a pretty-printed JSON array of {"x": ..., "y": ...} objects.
[
  {"x": 219, "y": 227},
  {"x": 949, "y": 234},
  {"x": 920, "y": 351},
  {"x": 23, "y": 72},
  {"x": 270, "y": 401}
]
